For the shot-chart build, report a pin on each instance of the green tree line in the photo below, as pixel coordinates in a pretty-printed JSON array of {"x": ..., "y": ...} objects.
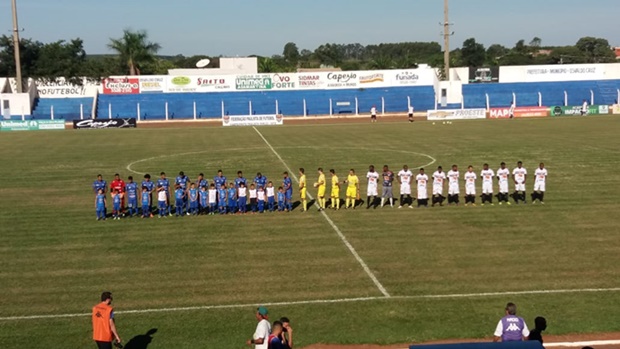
[{"x": 135, "y": 54}]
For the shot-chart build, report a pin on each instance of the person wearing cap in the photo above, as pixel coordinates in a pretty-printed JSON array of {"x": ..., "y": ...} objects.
[
  {"x": 104, "y": 329},
  {"x": 511, "y": 328},
  {"x": 263, "y": 329}
]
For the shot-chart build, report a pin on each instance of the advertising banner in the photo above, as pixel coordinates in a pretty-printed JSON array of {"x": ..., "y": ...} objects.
[
  {"x": 371, "y": 79},
  {"x": 121, "y": 86},
  {"x": 342, "y": 80},
  {"x": 553, "y": 73},
  {"x": 576, "y": 110},
  {"x": 456, "y": 114},
  {"x": 31, "y": 125},
  {"x": 59, "y": 88},
  {"x": 104, "y": 123},
  {"x": 253, "y": 82},
  {"x": 483, "y": 75},
  {"x": 284, "y": 81},
  {"x": 520, "y": 112},
  {"x": 252, "y": 120},
  {"x": 152, "y": 84},
  {"x": 616, "y": 109},
  {"x": 207, "y": 83},
  {"x": 309, "y": 81}
]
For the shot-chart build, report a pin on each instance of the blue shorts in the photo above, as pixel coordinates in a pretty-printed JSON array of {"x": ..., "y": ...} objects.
[
  {"x": 132, "y": 203},
  {"x": 162, "y": 204},
  {"x": 288, "y": 195}
]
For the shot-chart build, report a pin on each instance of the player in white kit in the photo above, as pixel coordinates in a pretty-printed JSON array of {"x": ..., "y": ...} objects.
[
  {"x": 404, "y": 178},
  {"x": 503, "y": 174},
  {"x": 439, "y": 178},
  {"x": 487, "y": 184},
  {"x": 540, "y": 184},
  {"x": 422, "y": 180},
  {"x": 372, "y": 189},
  {"x": 470, "y": 186},
  {"x": 519, "y": 174},
  {"x": 454, "y": 189}
]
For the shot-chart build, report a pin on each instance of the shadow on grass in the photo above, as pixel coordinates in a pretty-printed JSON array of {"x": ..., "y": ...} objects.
[{"x": 141, "y": 341}]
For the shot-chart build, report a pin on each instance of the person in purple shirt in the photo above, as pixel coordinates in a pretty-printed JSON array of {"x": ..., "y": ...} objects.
[{"x": 511, "y": 328}]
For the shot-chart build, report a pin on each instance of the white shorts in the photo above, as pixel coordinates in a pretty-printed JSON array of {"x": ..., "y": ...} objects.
[
  {"x": 437, "y": 189},
  {"x": 405, "y": 189},
  {"x": 520, "y": 187},
  {"x": 422, "y": 193},
  {"x": 539, "y": 186},
  {"x": 470, "y": 190},
  {"x": 372, "y": 190},
  {"x": 453, "y": 189},
  {"x": 503, "y": 187},
  {"x": 487, "y": 188}
]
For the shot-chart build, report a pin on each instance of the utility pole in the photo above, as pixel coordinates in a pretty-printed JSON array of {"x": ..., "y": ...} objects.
[
  {"x": 18, "y": 62},
  {"x": 446, "y": 40}
]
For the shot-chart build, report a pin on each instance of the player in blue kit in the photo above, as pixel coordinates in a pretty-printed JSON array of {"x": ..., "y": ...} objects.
[
  {"x": 232, "y": 198},
  {"x": 131, "y": 190},
  {"x": 100, "y": 204},
  {"x": 240, "y": 179},
  {"x": 179, "y": 199},
  {"x": 193, "y": 199},
  {"x": 164, "y": 183},
  {"x": 203, "y": 197},
  {"x": 260, "y": 181},
  {"x": 219, "y": 179},
  {"x": 150, "y": 186},
  {"x": 146, "y": 202},
  {"x": 281, "y": 199},
  {"x": 202, "y": 182},
  {"x": 99, "y": 184},
  {"x": 183, "y": 181},
  {"x": 287, "y": 185},
  {"x": 221, "y": 198}
]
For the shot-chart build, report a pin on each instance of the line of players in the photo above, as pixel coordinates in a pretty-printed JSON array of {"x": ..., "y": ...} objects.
[
  {"x": 221, "y": 197},
  {"x": 193, "y": 198}
]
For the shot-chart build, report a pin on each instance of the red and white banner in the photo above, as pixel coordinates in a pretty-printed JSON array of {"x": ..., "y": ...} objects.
[
  {"x": 520, "y": 112},
  {"x": 121, "y": 86}
]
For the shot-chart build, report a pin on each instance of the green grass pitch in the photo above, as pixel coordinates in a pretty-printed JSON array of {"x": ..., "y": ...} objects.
[{"x": 56, "y": 258}]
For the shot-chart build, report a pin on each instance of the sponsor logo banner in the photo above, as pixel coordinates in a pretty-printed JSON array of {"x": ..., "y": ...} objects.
[
  {"x": 616, "y": 109},
  {"x": 406, "y": 78},
  {"x": 371, "y": 78},
  {"x": 577, "y": 110},
  {"x": 342, "y": 80},
  {"x": 520, "y": 112},
  {"x": 207, "y": 83},
  {"x": 31, "y": 125},
  {"x": 252, "y": 120},
  {"x": 559, "y": 72},
  {"x": 456, "y": 114},
  {"x": 253, "y": 82},
  {"x": 152, "y": 84},
  {"x": 311, "y": 81},
  {"x": 104, "y": 123},
  {"x": 121, "y": 86},
  {"x": 284, "y": 81}
]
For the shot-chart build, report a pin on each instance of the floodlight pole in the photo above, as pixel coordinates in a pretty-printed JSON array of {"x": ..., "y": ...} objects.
[
  {"x": 446, "y": 40},
  {"x": 18, "y": 63}
]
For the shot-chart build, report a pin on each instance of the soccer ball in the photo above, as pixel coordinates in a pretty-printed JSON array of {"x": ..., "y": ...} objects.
[{"x": 433, "y": 123}]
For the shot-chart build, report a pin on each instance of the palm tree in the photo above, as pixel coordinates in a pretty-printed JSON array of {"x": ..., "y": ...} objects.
[
  {"x": 266, "y": 65},
  {"x": 381, "y": 62},
  {"x": 134, "y": 49}
]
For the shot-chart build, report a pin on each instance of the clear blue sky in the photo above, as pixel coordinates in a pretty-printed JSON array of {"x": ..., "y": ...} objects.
[{"x": 243, "y": 27}]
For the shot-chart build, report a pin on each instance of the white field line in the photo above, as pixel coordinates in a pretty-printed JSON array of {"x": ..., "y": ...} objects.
[
  {"x": 319, "y": 301},
  {"x": 582, "y": 344},
  {"x": 331, "y": 223}
]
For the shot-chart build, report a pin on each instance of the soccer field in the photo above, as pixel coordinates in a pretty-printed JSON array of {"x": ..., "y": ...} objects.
[{"x": 365, "y": 276}]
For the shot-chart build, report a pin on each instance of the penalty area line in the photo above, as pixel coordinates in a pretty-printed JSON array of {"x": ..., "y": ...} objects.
[
  {"x": 346, "y": 242},
  {"x": 320, "y": 301}
]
